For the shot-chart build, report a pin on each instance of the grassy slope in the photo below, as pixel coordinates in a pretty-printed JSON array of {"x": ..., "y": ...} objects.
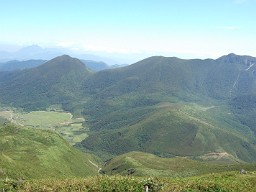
[
  {"x": 32, "y": 153},
  {"x": 177, "y": 129},
  {"x": 146, "y": 164}
]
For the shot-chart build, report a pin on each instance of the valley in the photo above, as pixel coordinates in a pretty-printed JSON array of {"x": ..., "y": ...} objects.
[
  {"x": 160, "y": 117},
  {"x": 127, "y": 96},
  {"x": 64, "y": 123}
]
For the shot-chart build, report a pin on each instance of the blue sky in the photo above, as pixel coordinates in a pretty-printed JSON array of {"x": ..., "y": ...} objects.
[{"x": 183, "y": 28}]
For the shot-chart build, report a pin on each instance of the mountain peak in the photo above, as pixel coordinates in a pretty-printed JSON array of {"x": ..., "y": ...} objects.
[
  {"x": 64, "y": 61},
  {"x": 31, "y": 48},
  {"x": 232, "y": 55},
  {"x": 239, "y": 59},
  {"x": 58, "y": 79},
  {"x": 65, "y": 56}
]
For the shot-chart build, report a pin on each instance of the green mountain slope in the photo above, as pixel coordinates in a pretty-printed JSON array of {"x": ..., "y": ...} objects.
[
  {"x": 95, "y": 65},
  {"x": 159, "y": 79},
  {"x": 165, "y": 106},
  {"x": 177, "y": 130},
  {"x": 145, "y": 164},
  {"x": 55, "y": 82},
  {"x": 185, "y": 79},
  {"x": 20, "y": 65},
  {"x": 33, "y": 153},
  {"x": 124, "y": 114}
]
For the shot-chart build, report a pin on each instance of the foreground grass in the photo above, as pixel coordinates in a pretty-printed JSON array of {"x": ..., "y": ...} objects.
[
  {"x": 222, "y": 182},
  {"x": 34, "y": 153}
]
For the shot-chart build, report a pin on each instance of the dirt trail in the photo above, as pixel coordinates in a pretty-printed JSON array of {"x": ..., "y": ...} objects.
[{"x": 95, "y": 165}]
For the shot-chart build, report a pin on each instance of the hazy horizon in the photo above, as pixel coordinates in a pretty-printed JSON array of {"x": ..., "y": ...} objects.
[{"x": 132, "y": 29}]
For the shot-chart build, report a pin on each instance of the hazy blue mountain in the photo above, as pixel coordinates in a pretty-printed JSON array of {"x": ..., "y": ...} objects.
[
  {"x": 32, "y": 52},
  {"x": 39, "y": 53},
  {"x": 20, "y": 65},
  {"x": 95, "y": 65},
  {"x": 99, "y": 65}
]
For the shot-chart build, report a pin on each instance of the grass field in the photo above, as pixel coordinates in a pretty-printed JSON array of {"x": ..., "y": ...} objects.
[
  {"x": 64, "y": 123},
  {"x": 224, "y": 182}
]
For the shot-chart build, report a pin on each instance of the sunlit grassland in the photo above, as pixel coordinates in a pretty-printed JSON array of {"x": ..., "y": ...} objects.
[
  {"x": 72, "y": 129},
  {"x": 35, "y": 153}
]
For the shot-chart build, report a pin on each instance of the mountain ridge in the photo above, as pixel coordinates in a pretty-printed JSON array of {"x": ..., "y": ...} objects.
[
  {"x": 158, "y": 98},
  {"x": 37, "y": 52}
]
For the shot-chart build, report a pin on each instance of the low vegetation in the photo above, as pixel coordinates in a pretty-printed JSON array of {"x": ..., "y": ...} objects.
[
  {"x": 224, "y": 182},
  {"x": 33, "y": 153}
]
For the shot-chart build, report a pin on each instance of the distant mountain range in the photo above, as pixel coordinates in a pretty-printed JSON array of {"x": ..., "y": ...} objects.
[
  {"x": 36, "y": 52},
  {"x": 33, "y": 56},
  {"x": 165, "y": 106},
  {"x": 28, "y": 64},
  {"x": 20, "y": 65}
]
